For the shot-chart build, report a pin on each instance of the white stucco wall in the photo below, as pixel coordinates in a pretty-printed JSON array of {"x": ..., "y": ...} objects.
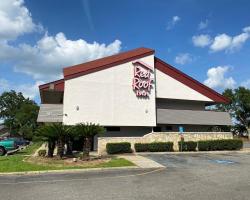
[
  {"x": 106, "y": 97},
  {"x": 168, "y": 87}
]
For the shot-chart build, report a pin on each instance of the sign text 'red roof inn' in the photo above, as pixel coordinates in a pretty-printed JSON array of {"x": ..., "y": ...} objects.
[{"x": 142, "y": 81}]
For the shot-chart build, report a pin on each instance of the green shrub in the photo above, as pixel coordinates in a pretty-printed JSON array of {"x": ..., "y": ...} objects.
[
  {"x": 160, "y": 146},
  {"x": 42, "y": 152},
  {"x": 187, "y": 146},
  {"x": 154, "y": 147},
  {"x": 121, "y": 147},
  {"x": 141, "y": 147},
  {"x": 217, "y": 145}
]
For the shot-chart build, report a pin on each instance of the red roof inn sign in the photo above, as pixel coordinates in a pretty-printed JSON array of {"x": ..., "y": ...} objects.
[{"x": 143, "y": 80}]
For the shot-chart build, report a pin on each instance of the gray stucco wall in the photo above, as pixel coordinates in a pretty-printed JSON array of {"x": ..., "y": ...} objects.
[
  {"x": 50, "y": 113},
  {"x": 179, "y": 104}
]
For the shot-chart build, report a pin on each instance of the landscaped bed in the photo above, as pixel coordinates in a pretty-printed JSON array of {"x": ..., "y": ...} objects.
[{"x": 22, "y": 161}]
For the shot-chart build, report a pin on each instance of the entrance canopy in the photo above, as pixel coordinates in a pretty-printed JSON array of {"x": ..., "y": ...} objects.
[{"x": 50, "y": 113}]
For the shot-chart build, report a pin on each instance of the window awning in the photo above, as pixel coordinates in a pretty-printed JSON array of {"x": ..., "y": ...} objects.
[
  {"x": 194, "y": 117},
  {"x": 50, "y": 113}
]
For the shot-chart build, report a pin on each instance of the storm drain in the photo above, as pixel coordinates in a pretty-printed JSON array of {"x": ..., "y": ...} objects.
[{"x": 226, "y": 162}]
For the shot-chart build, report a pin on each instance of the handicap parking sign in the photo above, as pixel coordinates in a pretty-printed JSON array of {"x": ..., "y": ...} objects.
[{"x": 181, "y": 129}]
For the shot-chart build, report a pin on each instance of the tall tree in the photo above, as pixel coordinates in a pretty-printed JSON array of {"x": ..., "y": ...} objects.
[
  {"x": 25, "y": 119},
  {"x": 19, "y": 113},
  {"x": 239, "y": 106}
]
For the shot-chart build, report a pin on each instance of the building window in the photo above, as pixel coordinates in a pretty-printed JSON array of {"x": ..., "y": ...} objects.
[
  {"x": 169, "y": 128},
  {"x": 113, "y": 128},
  {"x": 157, "y": 129}
]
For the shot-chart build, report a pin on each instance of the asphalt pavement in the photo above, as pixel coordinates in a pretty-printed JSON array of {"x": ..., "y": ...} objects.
[{"x": 198, "y": 176}]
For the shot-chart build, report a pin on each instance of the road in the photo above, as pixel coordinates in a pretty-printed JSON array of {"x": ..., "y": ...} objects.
[{"x": 199, "y": 176}]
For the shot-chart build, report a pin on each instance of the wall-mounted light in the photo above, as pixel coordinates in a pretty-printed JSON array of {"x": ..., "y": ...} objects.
[{"x": 77, "y": 108}]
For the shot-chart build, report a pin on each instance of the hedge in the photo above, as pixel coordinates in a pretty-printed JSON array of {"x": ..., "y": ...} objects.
[
  {"x": 121, "y": 147},
  {"x": 141, "y": 147},
  {"x": 217, "y": 145},
  {"x": 154, "y": 147},
  {"x": 187, "y": 146}
]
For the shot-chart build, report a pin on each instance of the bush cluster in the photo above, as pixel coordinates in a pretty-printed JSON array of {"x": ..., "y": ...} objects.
[
  {"x": 42, "y": 153},
  {"x": 187, "y": 145},
  {"x": 121, "y": 147},
  {"x": 154, "y": 147},
  {"x": 217, "y": 145}
]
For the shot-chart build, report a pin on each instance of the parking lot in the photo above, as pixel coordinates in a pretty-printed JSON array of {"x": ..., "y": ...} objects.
[
  {"x": 194, "y": 176},
  {"x": 202, "y": 160}
]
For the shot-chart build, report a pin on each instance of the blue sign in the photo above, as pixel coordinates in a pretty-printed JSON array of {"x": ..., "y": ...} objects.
[{"x": 181, "y": 129}]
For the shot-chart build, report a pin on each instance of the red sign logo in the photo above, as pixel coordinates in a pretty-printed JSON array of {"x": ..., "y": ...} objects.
[{"x": 142, "y": 81}]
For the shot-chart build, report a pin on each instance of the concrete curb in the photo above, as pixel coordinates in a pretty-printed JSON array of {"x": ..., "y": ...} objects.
[{"x": 62, "y": 171}]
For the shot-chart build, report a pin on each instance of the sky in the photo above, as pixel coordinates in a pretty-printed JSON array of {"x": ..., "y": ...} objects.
[{"x": 208, "y": 40}]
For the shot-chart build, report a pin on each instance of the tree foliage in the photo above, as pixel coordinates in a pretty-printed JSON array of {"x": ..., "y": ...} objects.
[
  {"x": 54, "y": 133},
  {"x": 19, "y": 113},
  {"x": 57, "y": 133},
  {"x": 87, "y": 131},
  {"x": 239, "y": 106}
]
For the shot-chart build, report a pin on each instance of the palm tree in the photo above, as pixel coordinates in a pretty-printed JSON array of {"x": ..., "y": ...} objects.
[
  {"x": 87, "y": 131},
  {"x": 52, "y": 133},
  {"x": 46, "y": 133}
]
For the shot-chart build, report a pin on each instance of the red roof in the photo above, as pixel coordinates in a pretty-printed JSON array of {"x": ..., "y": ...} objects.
[
  {"x": 189, "y": 81},
  {"x": 110, "y": 61},
  {"x": 58, "y": 85},
  {"x": 104, "y": 63}
]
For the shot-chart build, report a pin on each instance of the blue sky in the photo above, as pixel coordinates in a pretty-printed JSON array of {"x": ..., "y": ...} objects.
[{"x": 209, "y": 40}]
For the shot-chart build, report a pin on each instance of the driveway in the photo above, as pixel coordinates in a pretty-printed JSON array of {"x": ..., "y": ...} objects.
[{"x": 189, "y": 177}]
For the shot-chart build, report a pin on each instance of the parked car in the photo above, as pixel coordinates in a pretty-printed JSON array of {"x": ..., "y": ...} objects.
[
  {"x": 7, "y": 145},
  {"x": 19, "y": 141}
]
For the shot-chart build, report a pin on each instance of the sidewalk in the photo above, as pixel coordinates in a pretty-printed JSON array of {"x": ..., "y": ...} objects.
[{"x": 142, "y": 161}]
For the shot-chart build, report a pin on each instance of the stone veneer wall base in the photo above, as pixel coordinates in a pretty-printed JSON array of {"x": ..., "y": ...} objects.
[{"x": 162, "y": 137}]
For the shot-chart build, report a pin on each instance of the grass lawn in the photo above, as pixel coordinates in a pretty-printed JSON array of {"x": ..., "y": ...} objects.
[{"x": 20, "y": 162}]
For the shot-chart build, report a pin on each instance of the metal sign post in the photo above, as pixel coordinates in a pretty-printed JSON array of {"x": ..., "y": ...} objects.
[{"x": 181, "y": 130}]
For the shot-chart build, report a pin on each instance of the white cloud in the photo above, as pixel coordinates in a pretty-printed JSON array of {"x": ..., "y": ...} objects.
[
  {"x": 201, "y": 40},
  {"x": 175, "y": 19},
  {"x": 203, "y": 24},
  {"x": 223, "y": 42},
  {"x": 238, "y": 41},
  {"x": 28, "y": 90},
  {"x": 216, "y": 78},
  {"x": 173, "y": 22},
  {"x": 15, "y": 20},
  {"x": 246, "y": 29},
  {"x": 230, "y": 43},
  {"x": 183, "y": 58},
  {"x": 46, "y": 59},
  {"x": 246, "y": 83}
]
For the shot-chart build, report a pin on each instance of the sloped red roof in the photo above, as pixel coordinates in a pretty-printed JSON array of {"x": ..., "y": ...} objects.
[
  {"x": 189, "y": 81},
  {"x": 103, "y": 63},
  {"x": 110, "y": 61},
  {"x": 58, "y": 85}
]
